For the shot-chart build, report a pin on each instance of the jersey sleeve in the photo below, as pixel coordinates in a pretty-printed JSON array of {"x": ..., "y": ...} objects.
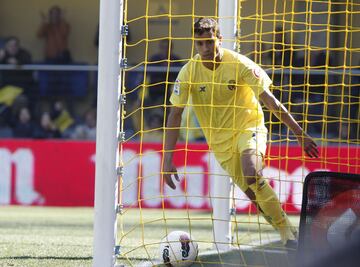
[
  {"x": 181, "y": 91},
  {"x": 254, "y": 76}
]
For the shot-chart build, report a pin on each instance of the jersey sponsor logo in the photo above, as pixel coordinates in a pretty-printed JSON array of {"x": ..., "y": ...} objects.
[
  {"x": 231, "y": 85},
  {"x": 177, "y": 87},
  {"x": 256, "y": 71},
  {"x": 202, "y": 89}
]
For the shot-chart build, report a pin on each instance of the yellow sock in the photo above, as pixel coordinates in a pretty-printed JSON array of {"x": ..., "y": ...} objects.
[{"x": 270, "y": 207}]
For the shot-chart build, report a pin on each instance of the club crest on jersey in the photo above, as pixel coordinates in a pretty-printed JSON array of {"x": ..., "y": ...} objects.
[
  {"x": 232, "y": 85},
  {"x": 256, "y": 71},
  {"x": 177, "y": 87}
]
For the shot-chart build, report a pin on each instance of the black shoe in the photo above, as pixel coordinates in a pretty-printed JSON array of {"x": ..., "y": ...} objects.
[{"x": 291, "y": 244}]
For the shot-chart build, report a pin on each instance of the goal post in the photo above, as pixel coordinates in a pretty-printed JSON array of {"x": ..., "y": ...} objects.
[
  {"x": 106, "y": 180},
  {"x": 221, "y": 185}
]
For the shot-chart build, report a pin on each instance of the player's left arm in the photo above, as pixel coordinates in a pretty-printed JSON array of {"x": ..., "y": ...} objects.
[{"x": 274, "y": 105}]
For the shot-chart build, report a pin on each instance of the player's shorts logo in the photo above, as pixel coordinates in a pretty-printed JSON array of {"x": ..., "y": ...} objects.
[{"x": 232, "y": 85}]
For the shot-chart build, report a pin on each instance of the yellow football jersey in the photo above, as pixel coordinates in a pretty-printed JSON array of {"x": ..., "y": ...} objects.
[{"x": 225, "y": 100}]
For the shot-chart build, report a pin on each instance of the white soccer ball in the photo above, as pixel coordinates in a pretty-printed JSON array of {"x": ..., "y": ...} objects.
[{"x": 178, "y": 249}]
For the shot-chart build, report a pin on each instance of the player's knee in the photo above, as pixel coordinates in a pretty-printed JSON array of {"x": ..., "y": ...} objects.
[
  {"x": 250, "y": 181},
  {"x": 249, "y": 175},
  {"x": 252, "y": 167},
  {"x": 256, "y": 179},
  {"x": 252, "y": 175}
]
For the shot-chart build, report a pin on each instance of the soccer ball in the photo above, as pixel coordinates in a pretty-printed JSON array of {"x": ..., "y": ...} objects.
[{"x": 178, "y": 249}]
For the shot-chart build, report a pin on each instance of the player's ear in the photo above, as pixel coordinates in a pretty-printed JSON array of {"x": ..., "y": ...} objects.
[{"x": 220, "y": 38}]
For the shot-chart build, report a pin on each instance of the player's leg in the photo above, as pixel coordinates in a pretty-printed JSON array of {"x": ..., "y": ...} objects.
[
  {"x": 251, "y": 195},
  {"x": 265, "y": 197}
]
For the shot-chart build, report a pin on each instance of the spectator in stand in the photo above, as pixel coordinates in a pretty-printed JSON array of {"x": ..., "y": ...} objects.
[
  {"x": 320, "y": 62},
  {"x": 154, "y": 128},
  {"x": 62, "y": 119},
  {"x": 157, "y": 94},
  {"x": 160, "y": 82},
  {"x": 55, "y": 30},
  {"x": 5, "y": 129},
  {"x": 355, "y": 102},
  {"x": 344, "y": 132},
  {"x": 14, "y": 54},
  {"x": 87, "y": 130},
  {"x": 133, "y": 91},
  {"x": 281, "y": 54},
  {"x": 46, "y": 128},
  {"x": 2, "y": 42},
  {"x": 11, "y": 114},
  {"x": 24, "y": 127},
  {"x": 282, "y": 58}
]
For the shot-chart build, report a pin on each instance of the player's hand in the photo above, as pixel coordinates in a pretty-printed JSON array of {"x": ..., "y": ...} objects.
[
  {"x": 168, "y": 170},
  {"x": 308, "y": 145}
]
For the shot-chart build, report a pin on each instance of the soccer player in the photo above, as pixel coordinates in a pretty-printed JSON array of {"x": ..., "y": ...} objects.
[{"x": 225, "y": 90}]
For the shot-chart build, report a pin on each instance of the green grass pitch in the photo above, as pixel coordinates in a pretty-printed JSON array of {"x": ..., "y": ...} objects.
[{"x": 36, "y": 236}]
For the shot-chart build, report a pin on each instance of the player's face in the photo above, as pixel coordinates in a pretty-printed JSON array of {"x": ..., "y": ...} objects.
[{"x": 207, "y": 45}]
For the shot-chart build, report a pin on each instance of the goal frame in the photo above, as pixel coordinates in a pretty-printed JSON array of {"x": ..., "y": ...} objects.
[
  {"x": 107, "y": 131},
  {"x": 221, "y": 188}
]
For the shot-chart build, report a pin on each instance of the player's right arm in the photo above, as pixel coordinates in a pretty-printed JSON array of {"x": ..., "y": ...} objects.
[
  {"x": 179, "y": 99},
  {"x": 260, "y": 82},
  {"x": 274, "y": 105},
  {"x": 171, "y": 137}
]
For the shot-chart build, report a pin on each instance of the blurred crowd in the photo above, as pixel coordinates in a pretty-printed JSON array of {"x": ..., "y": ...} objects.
[
  {"x": 40, "y": 104},
  {"x": 313, "y": 87}
]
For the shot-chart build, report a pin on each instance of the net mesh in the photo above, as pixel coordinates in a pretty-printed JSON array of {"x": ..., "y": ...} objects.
[{"x": 310, "y": 51}]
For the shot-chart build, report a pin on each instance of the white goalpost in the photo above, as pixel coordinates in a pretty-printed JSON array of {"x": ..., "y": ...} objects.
[
  {"x": 106, "y": 179},
  {"x": 220, "y": 184}
]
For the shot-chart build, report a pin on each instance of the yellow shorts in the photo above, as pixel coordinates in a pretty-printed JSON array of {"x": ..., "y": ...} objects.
[{"x": 246, "y": 140}]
